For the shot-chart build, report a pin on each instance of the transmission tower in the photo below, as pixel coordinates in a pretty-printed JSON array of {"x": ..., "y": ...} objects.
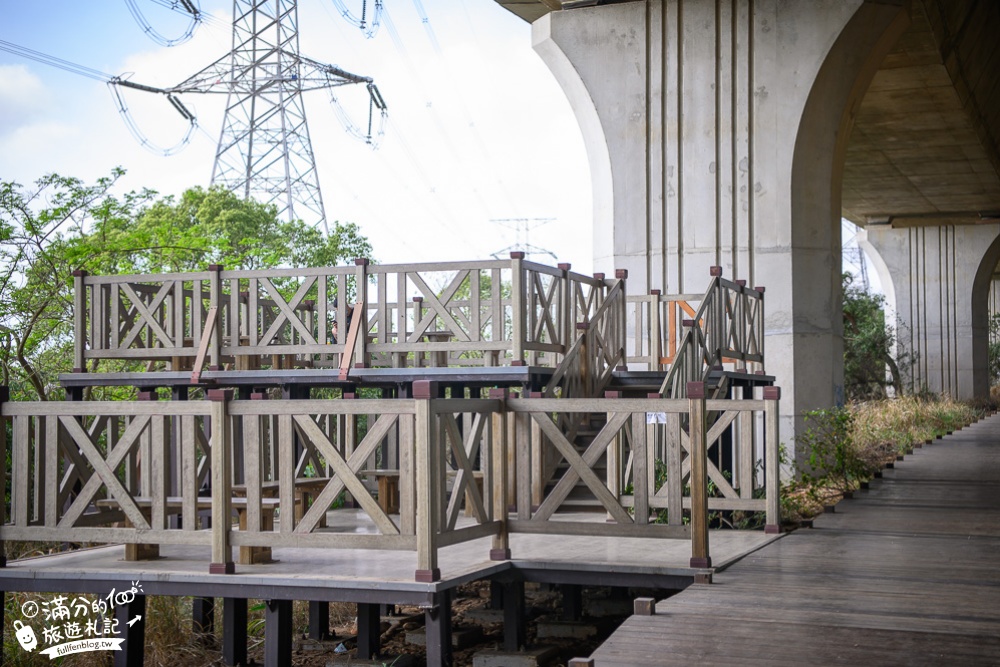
[
  {"x": 855, "y": 256},
  {"x": 264, "y": 147},
  {"x": 522, "y": 228}
]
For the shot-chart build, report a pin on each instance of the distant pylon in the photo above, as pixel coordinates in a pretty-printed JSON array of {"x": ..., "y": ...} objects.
[{"x": 264, "y": 148}]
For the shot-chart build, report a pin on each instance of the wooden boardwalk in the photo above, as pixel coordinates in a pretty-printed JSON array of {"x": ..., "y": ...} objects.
[{"x": 907, "y": 573}]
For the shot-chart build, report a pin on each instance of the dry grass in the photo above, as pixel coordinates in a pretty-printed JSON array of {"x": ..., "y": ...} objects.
[
  {"x": 880, "y": 431},
  {"x": 906, "y": 421}
]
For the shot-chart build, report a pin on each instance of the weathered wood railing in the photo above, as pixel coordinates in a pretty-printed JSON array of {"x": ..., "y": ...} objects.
[
  {"x": 655, "y": 330},
  {"x": 662, "y": 454},
  {"x": 145, "y": 473},
  {"x": 727, "y": 320},
  {"x": 727, "y": 328},
  {"x": 503, "y": 312}
]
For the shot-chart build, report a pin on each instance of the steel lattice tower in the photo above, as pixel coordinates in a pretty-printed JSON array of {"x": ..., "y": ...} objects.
[{"x": 264, "y": 148}]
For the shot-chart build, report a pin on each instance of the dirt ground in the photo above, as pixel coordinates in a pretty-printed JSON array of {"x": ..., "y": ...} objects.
[{"x": 396, "y": 650}]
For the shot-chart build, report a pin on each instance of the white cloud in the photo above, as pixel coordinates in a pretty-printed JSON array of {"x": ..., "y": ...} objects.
[{"x": 22, "y": 96}]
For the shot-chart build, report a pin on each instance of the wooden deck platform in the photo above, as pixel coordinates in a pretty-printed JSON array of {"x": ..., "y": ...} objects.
[
  {"x": 907, "y": 573},
  {"x": 358, "y": 575}
]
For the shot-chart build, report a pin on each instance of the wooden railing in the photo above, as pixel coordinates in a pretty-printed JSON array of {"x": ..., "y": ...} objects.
[
  {"x": 729, "y": 315},
  {"x": 503, "y": 312},
  {"x": 655, "y": 329},
  {"x": 148, "y": 473},
  {"x": 663, "y": 456},
  {"x": 727, "y": 328}
]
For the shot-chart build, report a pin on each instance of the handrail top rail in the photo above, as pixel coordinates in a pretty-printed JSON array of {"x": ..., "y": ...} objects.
[
  {"x": 350, "y": 270},
  {"x": 145, "y": 277},
  {"x": 618, "y": 405},
  {"x": 103, "y": 408},
  {"x": 664, "y": 298}
]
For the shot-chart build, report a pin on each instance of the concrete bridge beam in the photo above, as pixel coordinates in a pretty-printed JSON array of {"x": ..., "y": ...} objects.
[
  {"x": 939, "y": 280},
  {"x": 716, "y": 133}
]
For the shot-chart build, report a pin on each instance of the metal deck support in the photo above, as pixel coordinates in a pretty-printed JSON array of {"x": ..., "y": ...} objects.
[
  {"x": 514, "y": 630},
  {"x": 437, "y": 621},
  {"x": 319, "y": 620},
  {"x": 203, "y": 616},
  {"x": 234, "y": 631},
  {"x": 496, "y": 594},
  {"x": 278, "y": 633},
  {"x": 131, "y": 652},
  {"x": 572, "y": 601},
  {"x": 369, "y": 645}
]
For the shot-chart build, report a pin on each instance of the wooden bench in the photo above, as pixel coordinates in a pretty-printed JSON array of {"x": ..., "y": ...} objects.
[
  {"x": 306, "y": 488},
  {"x": 248, "y": 555},
  {"x": 388, "y": 489}
]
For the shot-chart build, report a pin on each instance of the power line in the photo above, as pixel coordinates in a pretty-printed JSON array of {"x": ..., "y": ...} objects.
[
  {"x": 370, "y": 28},
  {"x": 185, "y": 6},
  {"x": 53, "y": 61}
]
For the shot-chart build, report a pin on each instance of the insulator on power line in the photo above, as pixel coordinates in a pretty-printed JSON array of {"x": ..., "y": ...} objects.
[
  {"x": 191, "y": 9},
  {"x": 181, "y": 109},
  {"x": 118, "y": 81},
  {"x": 376, "y": 96}
]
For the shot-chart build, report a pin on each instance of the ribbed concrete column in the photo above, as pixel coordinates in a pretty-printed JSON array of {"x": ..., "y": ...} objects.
[
  {"x": 940, "y": 279},
  {"x": 716, "y": 132}
]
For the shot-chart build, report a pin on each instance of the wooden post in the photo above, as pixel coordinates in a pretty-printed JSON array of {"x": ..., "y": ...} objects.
[
  {"x": 519, "y": 302},
  {"x": 428, "y": 517},
  {"x": 80, "y": 321},
  {"x": 620, "y": 313},
  {"x": 655, "y": 338},
  {"x": 699, "y": 475},
  {"x": 522, "y": 428},
  {"x": 215, "y": 302},
  {"x": 745, "y": 463},
  {"x": 567, "y": 311},
  {"x": 538, "y": 472},
  {"x": 615, "y": 458},
  {"x": 498, "y": 473},
  {"x": 222, "y": 553},
  {"x": 760, "y": 328},
  {"x": 361, "y": 311},
  {"x": 640, "y": 468},
  {"x": 772, "y": 469}
]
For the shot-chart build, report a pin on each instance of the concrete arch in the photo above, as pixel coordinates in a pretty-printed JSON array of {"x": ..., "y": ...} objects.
[
  {"x": 816, "y": 185},
  {"x": 981, "y": 319},
  {"x": 589, "y": 120}
]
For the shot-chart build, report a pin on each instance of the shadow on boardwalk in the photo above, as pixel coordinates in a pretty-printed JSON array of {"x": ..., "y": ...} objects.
[{"x": 907, "y": 573}]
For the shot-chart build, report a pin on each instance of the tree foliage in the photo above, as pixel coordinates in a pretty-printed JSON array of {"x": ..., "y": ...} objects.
[
  {"x": 868, "y": 346},
  {"x": 62, "y": 224}
]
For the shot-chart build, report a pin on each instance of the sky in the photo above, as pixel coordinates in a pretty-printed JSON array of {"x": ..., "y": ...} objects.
[{"x": 478, "y": 129}]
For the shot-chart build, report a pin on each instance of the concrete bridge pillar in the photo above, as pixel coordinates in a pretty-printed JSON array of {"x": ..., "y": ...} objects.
[
  {"x": 938, "y": 281},
  {"x": 716, "y": 132}
]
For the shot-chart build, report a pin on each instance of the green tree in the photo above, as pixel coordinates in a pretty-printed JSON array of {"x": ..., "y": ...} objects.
[
  {"x": 868, "y": 345},
  {"x": 62, "y": 224}
]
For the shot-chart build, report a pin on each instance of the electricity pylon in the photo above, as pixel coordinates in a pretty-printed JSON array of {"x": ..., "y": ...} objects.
[{"x": 264, "y": 148}]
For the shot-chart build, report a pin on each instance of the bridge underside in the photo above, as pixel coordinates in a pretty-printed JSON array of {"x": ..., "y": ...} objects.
[{"x": 707, "y": 148}]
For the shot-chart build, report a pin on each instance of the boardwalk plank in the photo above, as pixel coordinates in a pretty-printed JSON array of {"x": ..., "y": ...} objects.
[{"x": 903, "y": 574}]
